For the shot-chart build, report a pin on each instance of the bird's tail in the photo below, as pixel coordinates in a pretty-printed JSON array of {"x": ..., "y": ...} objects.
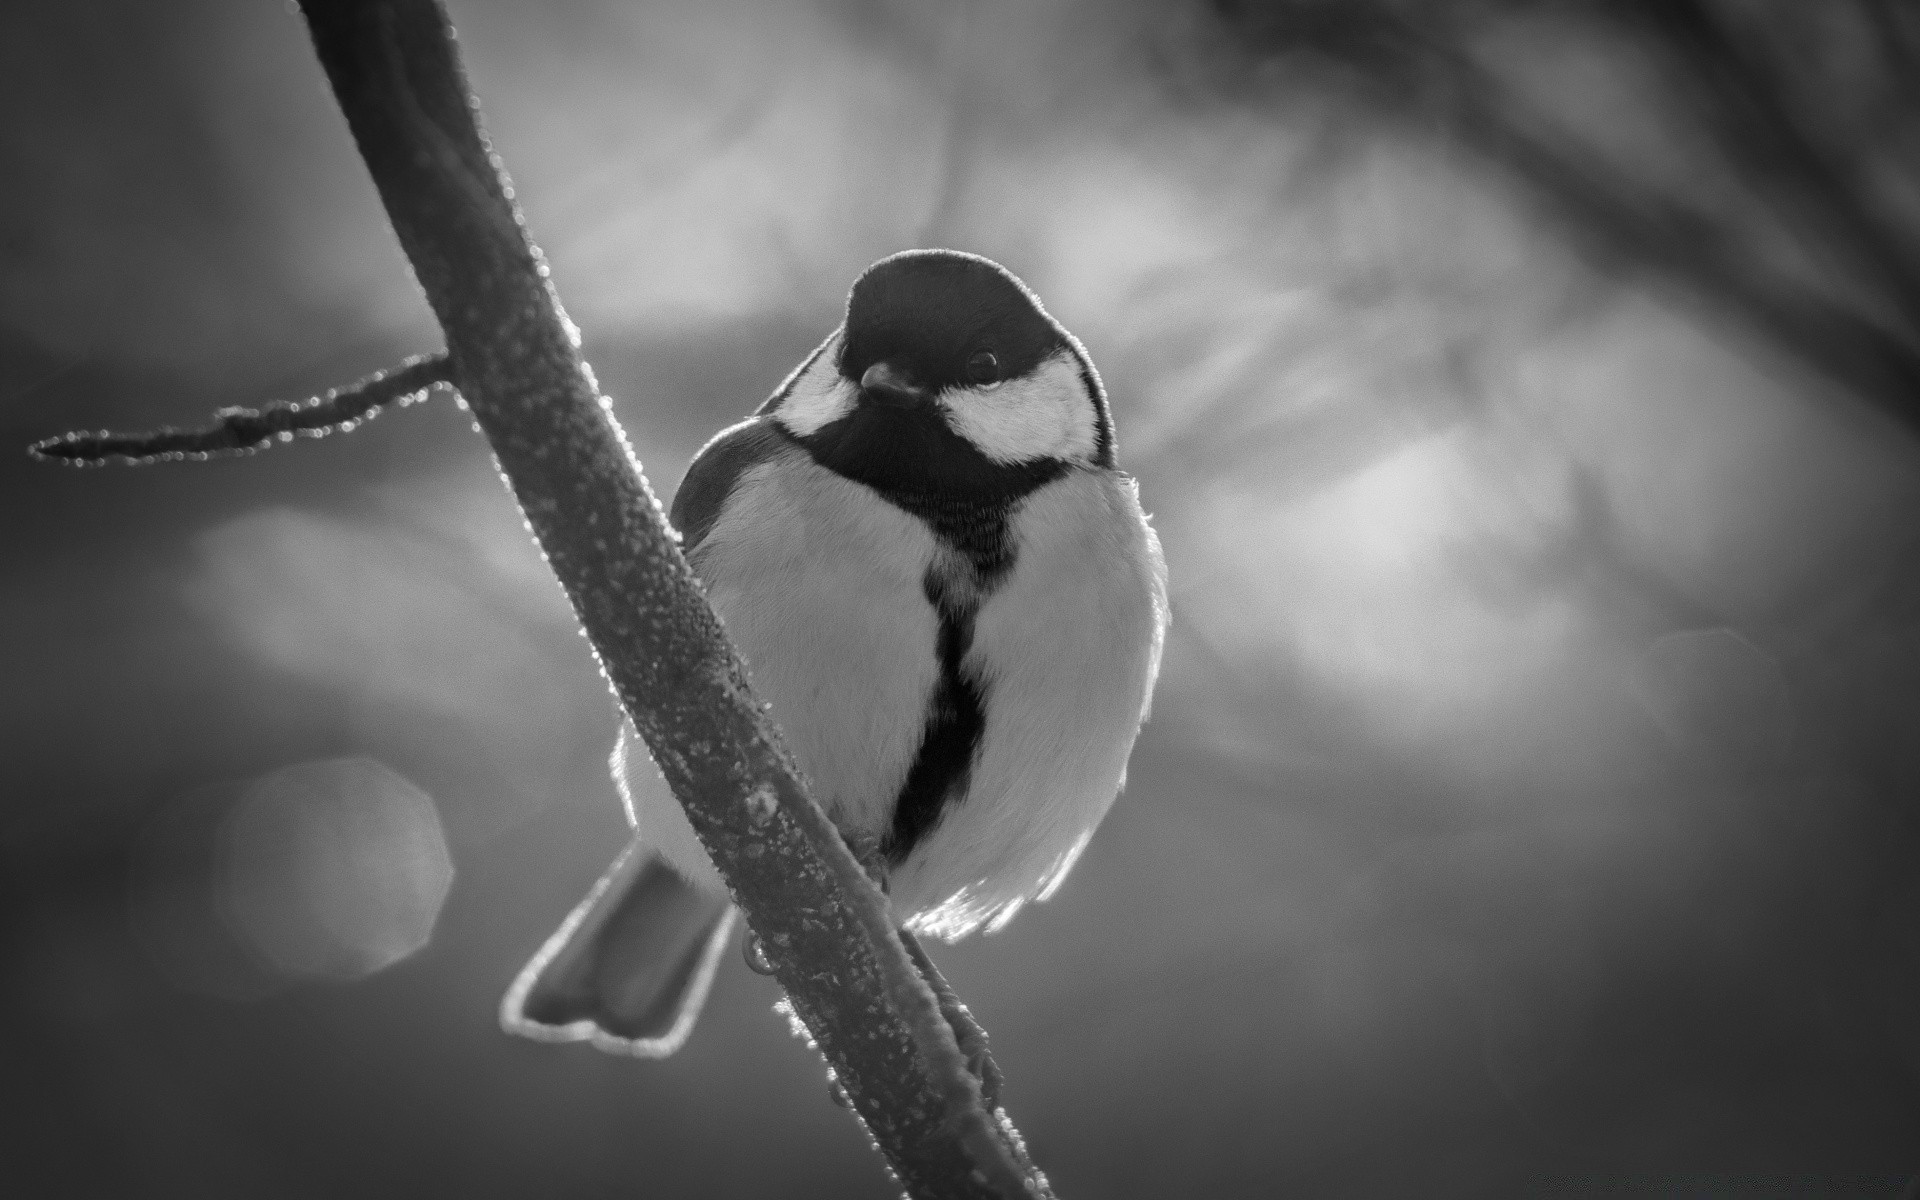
[{"x": 628, "y": 970}]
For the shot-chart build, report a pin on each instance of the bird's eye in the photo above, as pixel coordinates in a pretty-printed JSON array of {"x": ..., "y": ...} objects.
[{"x": 983, "y": 367}]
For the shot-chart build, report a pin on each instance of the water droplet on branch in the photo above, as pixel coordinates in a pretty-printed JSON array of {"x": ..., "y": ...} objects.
[{"x": 755, "y": 954}]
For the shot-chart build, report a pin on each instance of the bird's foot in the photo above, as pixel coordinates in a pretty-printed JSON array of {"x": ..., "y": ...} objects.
[
  {"x": 973, "y": 1047},
  {"x": 967, "y": 1033}
]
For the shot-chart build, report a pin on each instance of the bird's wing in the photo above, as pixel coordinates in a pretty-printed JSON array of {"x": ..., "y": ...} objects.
[{"x": 715, "y": 471}]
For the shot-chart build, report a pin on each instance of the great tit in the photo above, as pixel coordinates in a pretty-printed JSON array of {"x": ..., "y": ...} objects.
[{"x": 952, "y": 600}]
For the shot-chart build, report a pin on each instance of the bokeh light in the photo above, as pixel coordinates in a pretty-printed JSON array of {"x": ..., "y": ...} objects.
[{"x": 334, "y": 869}]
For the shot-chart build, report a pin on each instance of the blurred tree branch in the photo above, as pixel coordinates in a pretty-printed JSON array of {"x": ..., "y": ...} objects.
[
  {"x": 822, "y": 924},
  {"x": 1818, "y": 258}
]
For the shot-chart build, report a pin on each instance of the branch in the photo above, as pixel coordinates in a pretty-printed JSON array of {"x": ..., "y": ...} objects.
[
  {"x": 827, "y": 933},
  {"x": 237, "y": 431},
  {"x": 823, "y": 925}
]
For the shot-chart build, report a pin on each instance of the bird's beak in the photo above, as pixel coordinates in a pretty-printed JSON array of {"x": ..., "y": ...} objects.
[{"x": 885, "y": 386}]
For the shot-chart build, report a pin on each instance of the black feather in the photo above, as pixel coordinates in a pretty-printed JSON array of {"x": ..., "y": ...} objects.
[
  {"x": 956, "y": 722},
  {"x": 928, "y": 312}
]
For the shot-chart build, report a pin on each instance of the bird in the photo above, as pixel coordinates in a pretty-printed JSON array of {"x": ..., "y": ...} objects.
[{"x": 948, "y": 593}]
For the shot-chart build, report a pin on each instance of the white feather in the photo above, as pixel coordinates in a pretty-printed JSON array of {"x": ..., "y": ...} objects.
[
  {"x": 818, "y": 395},
  {"x": 1043, "y": 414},
  {"x": 818, "y": 582}
]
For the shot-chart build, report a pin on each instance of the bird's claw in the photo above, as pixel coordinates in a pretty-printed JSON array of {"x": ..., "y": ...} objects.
[{"x": 979, "y": 1059}]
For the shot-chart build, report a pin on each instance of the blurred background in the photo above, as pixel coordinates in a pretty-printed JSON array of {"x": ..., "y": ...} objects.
[{"x": 1526, "y": 397}]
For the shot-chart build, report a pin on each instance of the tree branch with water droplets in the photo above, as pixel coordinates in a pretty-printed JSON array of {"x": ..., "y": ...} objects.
[{"x": 822, "y": 924}]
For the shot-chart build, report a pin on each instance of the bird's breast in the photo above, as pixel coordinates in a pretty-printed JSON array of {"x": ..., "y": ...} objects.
[
  {"x": 968, "y": 713},
  {"x": 821, "y": 585},
  {"x": 1063, "y": 647}
]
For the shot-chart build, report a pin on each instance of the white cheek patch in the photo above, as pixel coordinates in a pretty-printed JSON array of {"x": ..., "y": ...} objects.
[
  {"x": 819, "y": 396},
  {"x": 1045, "y": 414}
]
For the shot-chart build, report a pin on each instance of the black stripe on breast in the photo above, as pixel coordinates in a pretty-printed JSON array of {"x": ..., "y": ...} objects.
[
  {"x": 956, "y": 719},
  {"x": 977, "y": 528},
  {"x": 956, "y": 585}
]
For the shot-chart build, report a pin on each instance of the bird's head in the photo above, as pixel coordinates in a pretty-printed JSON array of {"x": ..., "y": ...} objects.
[{"x": 947, "y": 378}]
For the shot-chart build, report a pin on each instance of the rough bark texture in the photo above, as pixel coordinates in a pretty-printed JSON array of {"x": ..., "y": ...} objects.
[{"x": 823, "y": 925}]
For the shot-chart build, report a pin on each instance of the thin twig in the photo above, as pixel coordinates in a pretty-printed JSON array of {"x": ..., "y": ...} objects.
[{"x": 237, "y": 431}]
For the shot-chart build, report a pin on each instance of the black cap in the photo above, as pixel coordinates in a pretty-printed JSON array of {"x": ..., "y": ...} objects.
[{"x": 931, "y": 314}]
